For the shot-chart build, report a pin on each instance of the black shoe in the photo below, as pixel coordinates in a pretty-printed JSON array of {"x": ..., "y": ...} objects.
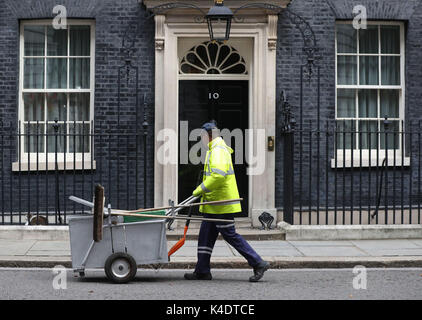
[
  {"x": 198, "y": 276},
  {"x": 259, "y": 271}
]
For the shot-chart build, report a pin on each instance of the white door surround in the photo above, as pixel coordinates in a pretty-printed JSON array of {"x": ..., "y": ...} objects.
[{"x": 260, "y": 37}]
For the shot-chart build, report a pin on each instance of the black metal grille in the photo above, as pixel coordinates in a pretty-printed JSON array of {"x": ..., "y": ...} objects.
[
  {"x": 381, "y": 185},
  {"x": 321, "y": 183},
  {"x": 38, "y": 184}
]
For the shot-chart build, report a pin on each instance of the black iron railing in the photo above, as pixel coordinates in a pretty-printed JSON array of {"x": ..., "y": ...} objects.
[
  {"x": 342, "y": 174},
  {"x": 40, "y": 168},
  {"x": 333, "y": 172}
]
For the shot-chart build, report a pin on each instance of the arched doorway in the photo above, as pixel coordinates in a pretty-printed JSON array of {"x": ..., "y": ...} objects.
[{"x": 214, "y": 84}]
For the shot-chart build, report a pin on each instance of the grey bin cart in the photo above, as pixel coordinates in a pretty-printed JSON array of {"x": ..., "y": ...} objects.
[
  {"x": 124, "y": 246},
  {"x": 117, "y": 244}
]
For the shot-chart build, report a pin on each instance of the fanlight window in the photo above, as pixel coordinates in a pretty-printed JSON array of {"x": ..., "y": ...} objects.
[{"x": 213, "y": 58}]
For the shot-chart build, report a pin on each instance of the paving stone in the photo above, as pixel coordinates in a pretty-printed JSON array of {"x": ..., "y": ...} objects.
[
  {"x": 51, "y": 245},
  {"x": 384, "y": 244},
  {"x": 15, "y": 247},
  {"x": 305, "y": 243},
  {"x": 285, "y": 252},
  {"x": 43, "y": 253},
  {"x": 418, "y": 242},
  {"x": 334, "y": 251},
  {"x": 395, "y": 252},
  {"x": 271, "y": 244}
]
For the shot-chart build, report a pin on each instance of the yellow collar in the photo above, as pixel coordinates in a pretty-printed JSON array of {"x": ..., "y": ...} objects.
[{"x": 213, "y": 142}]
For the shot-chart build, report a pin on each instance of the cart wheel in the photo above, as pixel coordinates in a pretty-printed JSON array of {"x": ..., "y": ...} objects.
[{"x": 120, "y": 267}]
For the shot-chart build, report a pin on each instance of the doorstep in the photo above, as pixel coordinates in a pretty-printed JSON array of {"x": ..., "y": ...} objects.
[
  {"x": 247, "y": 233},
  {"x": 61, "y": 233}
]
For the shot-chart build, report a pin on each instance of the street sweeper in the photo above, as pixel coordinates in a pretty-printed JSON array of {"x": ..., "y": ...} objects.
[{"x": 219, "y": 183}]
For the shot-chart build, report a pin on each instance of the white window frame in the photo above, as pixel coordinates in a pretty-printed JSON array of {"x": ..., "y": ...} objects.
[
  {"x": 69, "y": 160},
  {"x": 376, "y": 158}
]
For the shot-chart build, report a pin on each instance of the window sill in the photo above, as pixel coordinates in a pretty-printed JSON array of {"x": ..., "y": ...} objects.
[
  {"x": 364, "y": 163},
  {"x": 42, "y": 166}
]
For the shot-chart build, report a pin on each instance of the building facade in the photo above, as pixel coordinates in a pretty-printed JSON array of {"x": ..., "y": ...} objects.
[{"x": 91, "y": 104}]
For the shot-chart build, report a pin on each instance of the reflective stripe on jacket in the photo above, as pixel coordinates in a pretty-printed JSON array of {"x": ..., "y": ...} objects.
[{"x": 219, "y": 181}]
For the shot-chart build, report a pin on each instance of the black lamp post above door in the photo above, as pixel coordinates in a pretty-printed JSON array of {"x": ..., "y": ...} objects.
[{"x": 219, "y": 19}]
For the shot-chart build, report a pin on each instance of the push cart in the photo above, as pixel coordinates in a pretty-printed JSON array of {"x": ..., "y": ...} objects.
[
  {"x": 119, "y": 241},
  {"x": 124, "y": 245}
]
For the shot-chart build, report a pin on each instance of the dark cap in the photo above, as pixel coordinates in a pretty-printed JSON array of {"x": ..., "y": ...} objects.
[{"x": 209, "y": 126}]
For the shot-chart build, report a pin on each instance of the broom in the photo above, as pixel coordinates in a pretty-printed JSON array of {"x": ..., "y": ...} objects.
[{"x": 181, "y": 242}]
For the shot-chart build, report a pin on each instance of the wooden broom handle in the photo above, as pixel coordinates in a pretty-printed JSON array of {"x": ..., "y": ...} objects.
[
  {"x": 180, "y": 206},
  {"x": 128, "y": 214}
]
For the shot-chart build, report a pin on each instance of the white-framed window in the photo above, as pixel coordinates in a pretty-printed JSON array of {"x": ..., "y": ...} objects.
[
  {"x": 56, "y": 85},
  {"x": 370, "y": 86}
]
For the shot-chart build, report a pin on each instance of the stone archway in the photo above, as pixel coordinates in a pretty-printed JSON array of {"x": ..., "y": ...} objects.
[{"x": 262, "y": 109}]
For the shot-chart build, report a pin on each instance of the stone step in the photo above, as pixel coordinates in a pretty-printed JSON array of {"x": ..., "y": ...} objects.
[
  {"x": 247, "y": 233},
  {"x": 240, "y": 223}
]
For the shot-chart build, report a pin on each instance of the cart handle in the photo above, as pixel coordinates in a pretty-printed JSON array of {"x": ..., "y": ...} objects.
[
  {"x": 85, "y": 203},
  {"x": 91, "y": 204}
]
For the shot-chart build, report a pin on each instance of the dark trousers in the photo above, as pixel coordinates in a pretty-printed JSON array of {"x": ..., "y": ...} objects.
[{"x": 208, "y": 235}]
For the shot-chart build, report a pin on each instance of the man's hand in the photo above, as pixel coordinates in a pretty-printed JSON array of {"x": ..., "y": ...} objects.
[{"x": 197, "y": 192}]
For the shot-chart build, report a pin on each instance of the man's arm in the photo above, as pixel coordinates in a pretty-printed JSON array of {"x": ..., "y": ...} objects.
[{"x": 219, "y": 167}]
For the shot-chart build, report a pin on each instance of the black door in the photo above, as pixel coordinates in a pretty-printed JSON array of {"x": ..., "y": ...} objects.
[{"x": 225, "y": 101}]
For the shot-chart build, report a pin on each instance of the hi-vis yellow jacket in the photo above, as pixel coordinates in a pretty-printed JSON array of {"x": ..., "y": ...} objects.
[{"x": 219, "y": 181}]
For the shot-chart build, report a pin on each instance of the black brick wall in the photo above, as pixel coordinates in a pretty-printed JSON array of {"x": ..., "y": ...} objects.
[
  {"x": 112, "y": 17},
  {"x": 322, "y": 16}
]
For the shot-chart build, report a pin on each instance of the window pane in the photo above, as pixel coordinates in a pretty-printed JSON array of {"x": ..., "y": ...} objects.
[
  {"x": 368, "y": 40},
  {"x": 186, "y": 68},
  {"x": 79, "y": 137},
  {"x": 224, "y": 52},
  {"x": 33, "y": 73},
  {"x": 79, "y": 106},
  {"x": 368, "y": 136},
  {"x": 346, "y": 133},
  {"x": 56, "y": 42},
  {"x": 346, "y": 70},
  {"x": 34, "y": 40},
  {"x": 390, "y": 70},
  {"x": 56, "y": 73},
  {"x": 33, "y": 106},
  {"x": 79, "y": 73},
  {"x": 53, "y": 138},
  {"x": 346, "y": 103},
  {"x": 392, "y": 134},
  {"x": 56, "y": 106},
  {"x": 34, "y": 137},
  {"x": 368, "y": 103},
  {"x": 80, "y": 39},
  {"x": 231, "y": 60},
  {"x": 390, "y": 39},
  {"x": 368, "y": 70},
  {"x": 346, "y": 39},
  {"x": 193, "y": 59},
  {"x": 389, "y": 103}
]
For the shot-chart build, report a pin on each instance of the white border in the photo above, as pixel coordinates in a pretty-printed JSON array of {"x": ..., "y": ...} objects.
[
  {"x": 365, "y": 161},
  {"x": 262, "y": 102},
  {"x": 42, "y": 159}
]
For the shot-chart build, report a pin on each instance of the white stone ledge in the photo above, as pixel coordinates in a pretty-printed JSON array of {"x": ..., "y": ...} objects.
[
  {"x": 357, "y": 162},
  {"x": 51, "y": 166},
  {"x": 351, "y": 232},
  {"x": 34, "y": 233}
]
